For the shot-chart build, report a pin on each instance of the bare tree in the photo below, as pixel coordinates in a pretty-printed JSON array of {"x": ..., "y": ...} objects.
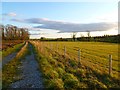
[
  {"x": 2, "y": 32},
  {"x": 10, "y": 32},
  {"x": 74, "y": 36},
  {"x": 88, "y": 33}
]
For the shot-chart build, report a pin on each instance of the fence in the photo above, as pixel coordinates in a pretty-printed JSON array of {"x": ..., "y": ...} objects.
[{"x": 65, "y": 51}]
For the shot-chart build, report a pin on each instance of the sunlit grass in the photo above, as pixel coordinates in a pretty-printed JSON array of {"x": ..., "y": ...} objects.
[
  {"x": 92, "y": 52},
  {"x": 93, "y": 72},
  {"x": 10, "y": 71},
  {"x": 12, "y": 49}
]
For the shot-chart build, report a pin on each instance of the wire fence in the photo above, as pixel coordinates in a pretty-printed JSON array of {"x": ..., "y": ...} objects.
[{"x": 76, "y": 53}]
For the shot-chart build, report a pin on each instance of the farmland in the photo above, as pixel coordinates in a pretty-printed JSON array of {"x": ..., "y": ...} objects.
[
  {"x": 91, "y": 52},
  {"x": 61, "y": 65},
  {"x": 63, "y": 68},
  {"x": 58, "y": 64}
]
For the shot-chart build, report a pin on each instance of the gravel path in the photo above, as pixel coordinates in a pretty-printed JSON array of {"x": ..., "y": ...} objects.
[
  {"x": 8, "y": 58},
  {"x": 31, "y": 77}
]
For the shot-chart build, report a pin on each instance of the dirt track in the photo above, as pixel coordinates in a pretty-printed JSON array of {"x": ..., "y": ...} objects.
[
  {"x": 8, "y": 58},
  {"x": 31, "y": 77}
]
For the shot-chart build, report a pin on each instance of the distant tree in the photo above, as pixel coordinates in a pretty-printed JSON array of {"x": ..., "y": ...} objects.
[
  {"x": 10, "y": 32},
  {"x": 74, "y": 36},
  {"x": 42, "y": 38},
  {"x": 2, "y": 31},
  {"x": 88, "y": 34}
]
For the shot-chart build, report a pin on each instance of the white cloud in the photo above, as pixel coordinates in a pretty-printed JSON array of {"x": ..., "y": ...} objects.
[
  {"x": 12, "y": 14},
  {"x": 66, "y": 26}
]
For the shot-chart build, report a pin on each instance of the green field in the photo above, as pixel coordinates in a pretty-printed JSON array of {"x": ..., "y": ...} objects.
[
  {"x": 92, "y": 71},
  {"x": 60, "y": 67},
  {"x": 94, "y": 53}
]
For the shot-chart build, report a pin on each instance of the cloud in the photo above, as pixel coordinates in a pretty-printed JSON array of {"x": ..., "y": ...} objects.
[
  {"x": 12, "y": 14},
  {"x": 68, "y": 27}
]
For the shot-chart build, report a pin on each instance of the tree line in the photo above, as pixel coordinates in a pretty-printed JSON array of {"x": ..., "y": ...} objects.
[
  {"x": 105, "y": 38},
  {"x": 10, "y": 32}
]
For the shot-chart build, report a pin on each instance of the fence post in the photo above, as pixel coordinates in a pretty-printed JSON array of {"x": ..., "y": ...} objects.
[
  {"x": 51, "y": 47},
  {"x": 41, "y": 46},
  {"x": 57, "y": 48},
  {"x": 110, "y": 64},
  {"x": 79, "y": 58},
  {"x": 64, "y": 51}
]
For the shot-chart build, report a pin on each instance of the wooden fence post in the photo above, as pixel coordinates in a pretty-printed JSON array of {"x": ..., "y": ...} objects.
[
  {"x": 79, "y": 58},
  {"x": 51, "y": 47},
  {"x": 41, "y": 46},
  {"x": 110, "y": 64},
  {"x": 57, "y": 48},
  {"x": 64, "y": 51}
]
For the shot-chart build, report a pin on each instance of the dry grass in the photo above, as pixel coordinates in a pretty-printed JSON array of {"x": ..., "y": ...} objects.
[
  {"x": 12, "y": 49},
  {"x": 91, "y": 74},
  {"x": 10, "y": 72}
]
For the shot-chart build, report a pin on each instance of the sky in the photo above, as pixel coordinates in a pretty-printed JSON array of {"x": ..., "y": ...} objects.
[{"x": 61, "y": 19}]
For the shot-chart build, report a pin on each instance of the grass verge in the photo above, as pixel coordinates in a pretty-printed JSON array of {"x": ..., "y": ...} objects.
[
  {"x": 13, "y": 49},
  {"x": 10, "y": 72}
]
